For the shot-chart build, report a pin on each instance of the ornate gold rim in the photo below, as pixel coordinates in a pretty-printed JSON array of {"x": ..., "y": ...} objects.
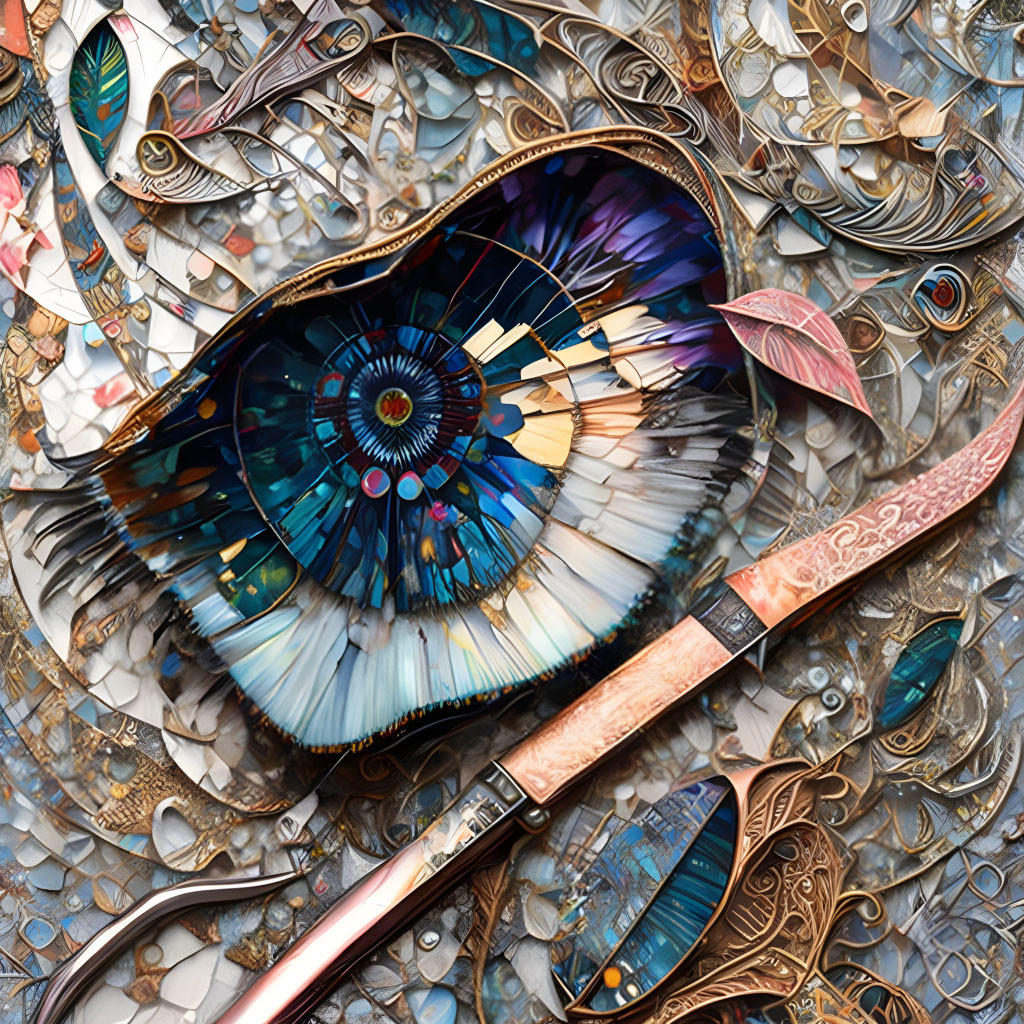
[{"x": 691, "y": 176}]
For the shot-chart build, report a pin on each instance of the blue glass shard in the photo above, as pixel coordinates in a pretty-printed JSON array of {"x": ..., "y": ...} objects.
[
  {"x": 637, "y": 872},
  {"x": 917, "y": 670},
  {"x": 662, "y": 937},
  {"x": 98, "y": 88}
]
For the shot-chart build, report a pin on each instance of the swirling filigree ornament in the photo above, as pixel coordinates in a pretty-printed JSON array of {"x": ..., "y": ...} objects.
[{"x": 786, "y": 892}]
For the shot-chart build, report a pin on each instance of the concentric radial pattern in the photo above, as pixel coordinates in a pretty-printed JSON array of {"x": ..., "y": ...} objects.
[
  {"x": 385, "y": 457},
  {"x": 450, "y": 473}
]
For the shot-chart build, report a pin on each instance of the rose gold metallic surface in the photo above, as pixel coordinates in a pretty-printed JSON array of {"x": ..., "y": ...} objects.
[
  {"x": 388, "y": 896},
  {"x": 687, "y": 656},
  {"x": 315, "y": 955},
  {"x": 663, "y": 674},
  {"x": 791, "y": 578}
]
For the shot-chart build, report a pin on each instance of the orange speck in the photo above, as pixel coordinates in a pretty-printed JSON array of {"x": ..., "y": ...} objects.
[
  {"x": 612, "y": 977},
  {"x": 29, "y": 442},
  {"x": 207, "y": 407}
]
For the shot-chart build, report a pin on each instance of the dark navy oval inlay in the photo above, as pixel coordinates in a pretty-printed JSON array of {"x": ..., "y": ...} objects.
[{"x": 665, "y": 933}]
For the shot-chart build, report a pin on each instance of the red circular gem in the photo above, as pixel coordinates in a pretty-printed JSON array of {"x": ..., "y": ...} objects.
[
  {"x": 943, "y": 293},
  {"x": 394, "y": 407}
]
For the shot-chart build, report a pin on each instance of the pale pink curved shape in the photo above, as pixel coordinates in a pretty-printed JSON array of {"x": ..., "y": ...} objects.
[
  {"x": 780, "y": 585},
  {"x": 795, "y": 337},
  {"x": 11, "y": 197},
  {"x": 777, "y": 588}
]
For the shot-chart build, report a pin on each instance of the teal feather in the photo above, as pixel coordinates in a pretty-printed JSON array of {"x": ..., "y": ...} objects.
[{"x": 99, "y": 90}]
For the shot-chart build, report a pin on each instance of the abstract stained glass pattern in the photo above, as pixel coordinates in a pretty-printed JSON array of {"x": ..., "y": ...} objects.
[
  {"x": 635, "y": 867},
  {"x": 439, "y": 475},
  {"x": 676, "y": 917},
  {"x": 918, "y": 669},
  {"x": 383, "y": 383}
]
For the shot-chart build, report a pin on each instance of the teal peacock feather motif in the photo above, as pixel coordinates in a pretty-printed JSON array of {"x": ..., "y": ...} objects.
[{"x": 99, "y": 90}]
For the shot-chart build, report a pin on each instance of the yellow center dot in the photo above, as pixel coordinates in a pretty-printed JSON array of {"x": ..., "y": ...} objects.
[
  {"x": 612, "y": 977},
  {"x": 393, "y": 407}
]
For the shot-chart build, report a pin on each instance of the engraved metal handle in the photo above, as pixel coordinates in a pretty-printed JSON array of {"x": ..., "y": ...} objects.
[{"x": 383, "y": 901}]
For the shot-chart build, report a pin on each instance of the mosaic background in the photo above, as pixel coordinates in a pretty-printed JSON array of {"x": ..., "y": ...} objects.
[{"x": 166, "y": 169}]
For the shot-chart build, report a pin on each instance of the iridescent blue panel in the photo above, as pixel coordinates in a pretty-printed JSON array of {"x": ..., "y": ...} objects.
[
  {"x": 917, "y": 670},
  {"x": 675, "y": 919},
  {"x": 377, "y": 458},
  {"x": 617, "y": 886},
  {"x": 98, "y": 90}
]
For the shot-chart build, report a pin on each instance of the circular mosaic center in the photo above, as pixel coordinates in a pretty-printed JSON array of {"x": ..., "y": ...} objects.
[
  {"x": 385, "y": 466},
  {"x": 393, "y": 407},
  {"x": 398, "y": 399}
]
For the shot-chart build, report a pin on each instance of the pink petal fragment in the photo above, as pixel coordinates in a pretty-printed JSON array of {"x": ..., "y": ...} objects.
[
  {"x": 12, "y": 257},
  {"x": 117, "y": 389},
  {"x": 796, "y": 338},
  {"x": 11, "y": 197}
]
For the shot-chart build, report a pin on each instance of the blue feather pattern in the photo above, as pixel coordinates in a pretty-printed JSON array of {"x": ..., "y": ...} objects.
[
  {"x": 99, "y": 90},
  {"x": 661, "y": 938}
]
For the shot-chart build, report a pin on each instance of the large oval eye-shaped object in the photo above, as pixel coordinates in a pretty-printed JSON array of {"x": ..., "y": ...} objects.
[
  {"x": 99, "y": 90},
  {"x": 917, "y": 670},
  {"x": 434, "y": 475},
  {"x": 943, "y": 296},
  {"x": 649, "y": 895}
]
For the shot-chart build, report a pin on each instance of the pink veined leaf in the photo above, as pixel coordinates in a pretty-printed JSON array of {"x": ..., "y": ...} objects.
[{"x": 795, "y": 337}]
